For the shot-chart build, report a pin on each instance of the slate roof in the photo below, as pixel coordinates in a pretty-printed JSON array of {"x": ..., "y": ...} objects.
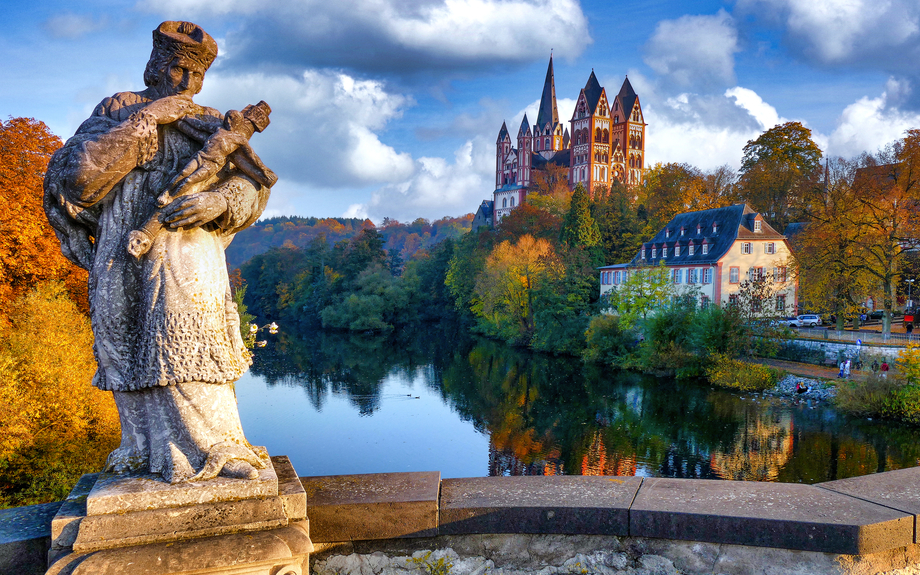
[
  {"x": 560, "y": 158},
  {"x": 733, "y": 222},
  {"x": 548, "y": 113},
  {"x": 503, "y": 133},
  {"x": 627, "y": 97},
  {"x": 525, "y": 127},
  {"x": 592, "y": 92}
]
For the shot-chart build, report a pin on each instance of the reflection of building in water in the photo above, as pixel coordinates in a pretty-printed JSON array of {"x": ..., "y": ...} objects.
[
  {"x": 505, "y": 462},
  {"x": 597, "y": 462},
  {"x": 758, "y": 452}
]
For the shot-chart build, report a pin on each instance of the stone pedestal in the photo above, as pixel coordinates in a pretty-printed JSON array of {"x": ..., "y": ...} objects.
[{"x": 142, "y": 525}]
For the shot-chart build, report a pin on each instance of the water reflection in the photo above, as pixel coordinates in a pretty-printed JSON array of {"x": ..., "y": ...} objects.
[{"x": 546, "y": 415}]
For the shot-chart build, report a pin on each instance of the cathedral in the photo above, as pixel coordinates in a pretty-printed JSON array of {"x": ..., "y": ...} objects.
[{"x": 604, "y": 142}]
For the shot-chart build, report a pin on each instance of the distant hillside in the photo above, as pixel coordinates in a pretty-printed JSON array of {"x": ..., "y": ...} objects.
[{"x": 406, "y": 239}]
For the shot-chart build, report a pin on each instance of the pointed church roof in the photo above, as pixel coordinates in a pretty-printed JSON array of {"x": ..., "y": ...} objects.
[
  {"x": 525, "y": 127},
  {"x": 548, "y": 113},
  {"x": 627, "y": 96},
  {"x": 592, "y": 92},
  {"x": 503, "y": 133}
]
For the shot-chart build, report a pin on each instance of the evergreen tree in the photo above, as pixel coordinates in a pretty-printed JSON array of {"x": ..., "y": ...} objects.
[{"x": 579, "y": 229}]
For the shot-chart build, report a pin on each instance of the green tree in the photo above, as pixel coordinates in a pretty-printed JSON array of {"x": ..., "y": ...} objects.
[
  {"x": 645, "y": 290},
  {"x": 778, "y": 167},
  {"x": 579, "y": 229}
]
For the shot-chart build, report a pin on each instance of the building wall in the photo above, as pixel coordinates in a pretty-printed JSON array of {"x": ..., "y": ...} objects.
[{"x": 758, "y": 258}]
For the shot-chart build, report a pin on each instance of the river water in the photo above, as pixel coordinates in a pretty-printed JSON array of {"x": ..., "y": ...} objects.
[{"x": 467, "y": 407}]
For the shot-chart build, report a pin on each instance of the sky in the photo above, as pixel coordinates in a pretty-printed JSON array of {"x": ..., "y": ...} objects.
[{"x": 391, "y": 108}]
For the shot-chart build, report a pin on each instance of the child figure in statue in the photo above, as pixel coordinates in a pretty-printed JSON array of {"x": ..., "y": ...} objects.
[{"x": 167, "y": 334}]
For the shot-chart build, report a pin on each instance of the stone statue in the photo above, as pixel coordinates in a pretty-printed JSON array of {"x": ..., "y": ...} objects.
[{"x": 146, "y": 196}]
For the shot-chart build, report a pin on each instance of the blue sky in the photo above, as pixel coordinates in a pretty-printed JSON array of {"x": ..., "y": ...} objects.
[{"x": 392, "y": 107}]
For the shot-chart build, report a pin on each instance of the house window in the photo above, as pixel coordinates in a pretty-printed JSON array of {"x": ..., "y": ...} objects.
[
  {"x": 704, "y": 301},
  {"x": 779, "y": 274},
  {"x": 512, "y": 202},
  {"x": 705, "y": 249},
  {"x": 707, "y": 276},
  {"x": 769, "y": 248},
  {"x": 505, "y": 203},
  {"x": 734, "y": 275},
  {"x": 755, "y": 274},
  {"x": 677, "y": 276},
  {"x": 781, "y": 303},
  {"x": 693, "y": 276},
  {"x": 667, "y": 233},
  {"x": 616, "y": 278},
  {"x": 699, "y": 228},
  {"x": 654, "y": 252},
  {"x": 690, "y": 249},
  {"x": 758, "y": 226},
  {"x": 643, "y": 253},
  {"x": 715, "y": 228},
  {"x": 733, "y": 299},
  {"x": 746, "y": 247},
  {"x": 664, "y": 252},
  {"x": 756, "y": 305}
]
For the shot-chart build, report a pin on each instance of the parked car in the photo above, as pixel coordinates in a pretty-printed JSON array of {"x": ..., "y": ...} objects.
[
  {"x": 786, "y": 321},
  {"x": 877, "y": 314},
  {"x": 808, "y": 320}
]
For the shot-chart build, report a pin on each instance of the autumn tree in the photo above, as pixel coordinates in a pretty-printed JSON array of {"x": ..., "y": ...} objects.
[
  {"x": 29, "y": 251},
  {"x": 777, "y": 168},
  {"x": 550, "y": 190},
  {"x": 617, "y": 222},
  {"x": 827, "y": 262},
  {"x": 645, "y": 290},
  {"x": 54, "y": 425},
  {"x": 505, "y": 288}
]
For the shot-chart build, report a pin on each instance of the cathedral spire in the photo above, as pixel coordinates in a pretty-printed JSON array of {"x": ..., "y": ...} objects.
[{"x": 548, "y": 114}]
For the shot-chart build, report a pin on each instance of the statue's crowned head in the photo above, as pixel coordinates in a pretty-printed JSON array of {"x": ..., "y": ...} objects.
[{"x": 182, "y": 41}]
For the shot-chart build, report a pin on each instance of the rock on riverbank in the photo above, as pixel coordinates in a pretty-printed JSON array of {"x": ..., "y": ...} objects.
[{"x": 816, "y": 389}]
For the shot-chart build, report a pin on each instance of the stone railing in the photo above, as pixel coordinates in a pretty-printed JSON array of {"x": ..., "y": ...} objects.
[{"x": 859, "y": 525}]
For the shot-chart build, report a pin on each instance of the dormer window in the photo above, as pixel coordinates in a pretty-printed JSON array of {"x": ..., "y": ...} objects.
[
  {"x": 667, "y": 233},
  {"x": 643, "y": 253},
  {"x": 715, "y": 228},
  {"x": 690, "y": 249},
  {"x": 705, "y": 248},
  {"x": 758, "y": 226},
  {"x": 682, "y": 230},
  {"x": 699, "y": 229},
  {"x": 664, "y": 252},
  {"x": 654, "y": 252}
]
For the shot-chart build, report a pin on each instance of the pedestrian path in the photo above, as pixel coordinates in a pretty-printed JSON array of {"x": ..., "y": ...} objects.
[{"x": 811, "y": 370}]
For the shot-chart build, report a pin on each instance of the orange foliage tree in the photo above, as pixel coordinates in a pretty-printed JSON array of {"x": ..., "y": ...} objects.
[{"x": 29, "y": 251}]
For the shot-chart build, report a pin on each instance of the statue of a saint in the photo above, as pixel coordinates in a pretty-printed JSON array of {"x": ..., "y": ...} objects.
[{"x": 146, "y": 196}]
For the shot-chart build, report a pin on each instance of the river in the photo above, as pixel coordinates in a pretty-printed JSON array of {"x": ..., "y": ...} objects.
[{"x": 440, "y": 400}]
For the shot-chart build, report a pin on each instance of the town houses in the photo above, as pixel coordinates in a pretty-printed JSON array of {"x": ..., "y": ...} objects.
[{"x": 710, "y": 253}]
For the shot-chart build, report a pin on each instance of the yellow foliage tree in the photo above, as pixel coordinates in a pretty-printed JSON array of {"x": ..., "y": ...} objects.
[
  {"x": 505, "y": 287},
  {"x": 54, "y": 425}
]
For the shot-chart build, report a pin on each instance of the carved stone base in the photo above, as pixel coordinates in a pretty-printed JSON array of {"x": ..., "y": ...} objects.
[{"x": 118, "y": 524}]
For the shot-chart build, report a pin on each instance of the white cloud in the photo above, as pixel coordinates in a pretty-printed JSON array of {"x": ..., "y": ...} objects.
[
  {"x": 393, "y": 34},
  {"x": 765, "y": 114},
  {"x": 439, "y": 187},
  {"x": 72, "y": 26},
  {"x": 324, "y": 128},
  {"x": 881, "y": 34},
  {"x": 868, "y": 124},
  {"x": 694, "y": 52}
]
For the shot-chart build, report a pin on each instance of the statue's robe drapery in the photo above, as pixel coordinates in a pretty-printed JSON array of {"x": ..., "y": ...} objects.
[{"x": 167, "y": 336}]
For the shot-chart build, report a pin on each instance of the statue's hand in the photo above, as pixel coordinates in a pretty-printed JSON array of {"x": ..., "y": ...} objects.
[
  {"x": 170, "y": 108},
  {"x": 194, "y": 210}
]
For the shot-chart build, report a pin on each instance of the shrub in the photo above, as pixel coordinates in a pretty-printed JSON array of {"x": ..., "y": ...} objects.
[
  {"x": 874, "y": 396},
  {"x": 608, "y": 340},
  {"x": 909, "y": 363},
  {"x": 734, "y": 374}
]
